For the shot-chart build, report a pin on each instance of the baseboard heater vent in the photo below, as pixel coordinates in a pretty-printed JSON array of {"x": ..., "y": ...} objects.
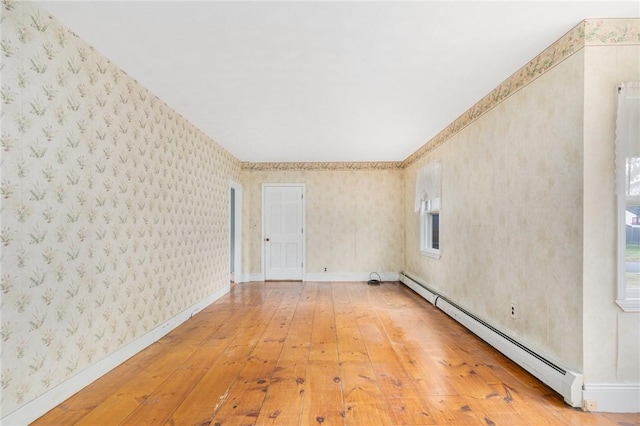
[{"x": 566, "y": 383}]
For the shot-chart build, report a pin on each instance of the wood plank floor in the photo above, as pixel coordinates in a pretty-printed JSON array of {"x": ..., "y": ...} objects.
[{"x": 320, "y": 354}]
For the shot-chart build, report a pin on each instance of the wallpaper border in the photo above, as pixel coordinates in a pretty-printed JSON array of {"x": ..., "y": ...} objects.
[
  {"x": 590, "y": 32},
  {"x": 599, "y": 32},
  {"x": 607, "y": 32},
  {"x": 318, "y": 166}
]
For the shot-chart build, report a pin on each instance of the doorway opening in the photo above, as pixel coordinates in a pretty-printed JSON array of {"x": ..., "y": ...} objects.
[{"x": 235, "y": 232}]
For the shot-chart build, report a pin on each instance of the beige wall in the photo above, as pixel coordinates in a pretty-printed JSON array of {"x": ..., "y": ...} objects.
[
  {"x": 353, "y": 221},
  {"x": 611, "y": 336},
  {"x": 114, "y": 208},
  {"x": 511, "y": 215},
  {"x": 528, "y": 207}
]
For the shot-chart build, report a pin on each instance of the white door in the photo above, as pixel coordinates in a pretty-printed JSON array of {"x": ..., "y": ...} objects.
[{"x": 283, "y": 219}]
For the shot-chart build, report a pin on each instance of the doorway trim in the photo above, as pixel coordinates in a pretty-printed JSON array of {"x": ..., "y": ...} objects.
[
  {"x": 263, "y": 271},
  {"x": 237, "y": 221}
]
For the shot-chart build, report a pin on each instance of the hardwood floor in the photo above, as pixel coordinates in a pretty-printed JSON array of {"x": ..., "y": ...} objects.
[{"x": 320, "y": 354}]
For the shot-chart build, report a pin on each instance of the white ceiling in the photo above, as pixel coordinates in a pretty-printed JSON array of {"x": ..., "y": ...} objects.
[{"x": 324, "y": 81}]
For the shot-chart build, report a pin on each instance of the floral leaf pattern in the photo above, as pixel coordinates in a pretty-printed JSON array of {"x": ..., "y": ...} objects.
[
  {"x": 110, "y": 201},
  {"x": 310, "y": 166},
  {"x": 587, "y": 33}
]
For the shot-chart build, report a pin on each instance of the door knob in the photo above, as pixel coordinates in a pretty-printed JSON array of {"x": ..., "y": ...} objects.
[{"x": 266, "y": 239}]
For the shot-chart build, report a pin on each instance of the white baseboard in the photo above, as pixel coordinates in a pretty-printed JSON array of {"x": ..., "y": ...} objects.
[
  {"x": 246, "y": 278},
  {"x": 253, "y": 277},
  {"x": 349, "y": 276},
  {"x": 58, "y": 394},
  {"x": 239, "y": 278},
  {"x": 564, "y": 381},
  {"x": 613, "y": 397},
  {"x": 426, "y": 294},
  {"x": 327, "y": 276}
]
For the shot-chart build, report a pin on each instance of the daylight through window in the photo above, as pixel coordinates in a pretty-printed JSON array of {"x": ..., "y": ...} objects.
[
  {"x": 427, "y": 202},
  {"x": 628, "y": 195}
]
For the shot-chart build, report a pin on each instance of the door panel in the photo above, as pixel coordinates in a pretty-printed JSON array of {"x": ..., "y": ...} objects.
[{"x": 283, "y": 233}]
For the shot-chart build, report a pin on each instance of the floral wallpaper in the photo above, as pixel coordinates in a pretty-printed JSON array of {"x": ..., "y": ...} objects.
[{"x": 114, "y": 207}]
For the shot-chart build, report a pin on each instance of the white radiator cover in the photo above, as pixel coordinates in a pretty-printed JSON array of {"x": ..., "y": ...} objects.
[{"x": 567, "y": 383}]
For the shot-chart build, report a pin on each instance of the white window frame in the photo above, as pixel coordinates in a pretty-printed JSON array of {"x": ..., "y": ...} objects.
[
  {"x": 627, "y": 145},
  {"x": 428, "y": 209},
  {"x": 427, "y": 202}
]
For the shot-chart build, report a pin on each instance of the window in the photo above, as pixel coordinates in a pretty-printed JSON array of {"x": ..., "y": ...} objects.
[
  {"x": 427, "y": 202},
  {"x": 430, "y": 230},
  {"x": 628, "y": 195}
]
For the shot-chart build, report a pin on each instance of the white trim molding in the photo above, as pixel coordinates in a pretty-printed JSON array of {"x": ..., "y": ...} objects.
[
  {"x": 629, "y": 305},
  {"x": 349, "y": 276},
  {"x": 613, "y": 397},
  {"x": 330, "y": 276},
  {"x": 247, "y": 278},
  {"x": 237, "y": 220},
  {"x": 564, "y": 381},
  {"x": 241, "y": 278},
  {"x": 58, "y": 394}
]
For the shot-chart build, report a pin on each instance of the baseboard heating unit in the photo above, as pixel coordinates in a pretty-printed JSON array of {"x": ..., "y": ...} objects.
[{"x": 566, "y": 383}]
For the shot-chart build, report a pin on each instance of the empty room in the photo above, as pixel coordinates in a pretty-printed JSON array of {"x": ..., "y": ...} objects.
[{"x": 320, "y": 213}]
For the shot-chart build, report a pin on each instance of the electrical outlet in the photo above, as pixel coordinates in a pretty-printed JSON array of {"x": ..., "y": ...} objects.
[
  {"x": 513, "y": 310},
  {"x": 590, "y": 405},
  {"x": 325, "y": 269}
]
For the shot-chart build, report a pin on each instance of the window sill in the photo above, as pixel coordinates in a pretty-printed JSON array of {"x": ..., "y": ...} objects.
[
  {"x": 629, "y": 305},
  {"x": 435, "y": 254}
]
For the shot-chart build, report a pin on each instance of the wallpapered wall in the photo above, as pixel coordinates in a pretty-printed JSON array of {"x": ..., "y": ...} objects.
[
  {"x": 511, "y": 215},
  {"x": 114, "y": 207},
  {"x": 528, "y": 214},
  {"x": 353, "y": 221}
]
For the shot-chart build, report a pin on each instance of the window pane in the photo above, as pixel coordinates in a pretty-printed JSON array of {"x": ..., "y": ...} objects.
[
  {"x": 632, "y": 225},
  {"x": 632, "y": 176},
  {"x": 424, "y": 227},
  {"x": 632, "y": 258},
  {"x": 435, "y": 231}
]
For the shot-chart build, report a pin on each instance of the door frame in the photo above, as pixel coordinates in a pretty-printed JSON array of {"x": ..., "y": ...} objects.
[
  {"x": 237, "y": 231},
  {"x": 263, "y": 246}
]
